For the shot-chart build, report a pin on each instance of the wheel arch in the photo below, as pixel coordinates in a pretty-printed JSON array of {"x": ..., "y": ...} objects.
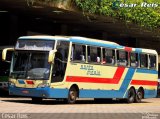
[
  {"x": 133, "y": 88},
  {"x": 76, "y": 87}
]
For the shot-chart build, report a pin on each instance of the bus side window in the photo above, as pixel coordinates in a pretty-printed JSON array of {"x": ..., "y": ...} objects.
[
  {"x": 78, "y": 53},
  {"x": 122, "y": 58},
  {"x": 103, "y": 56},
  {"x": 134, "y": 59},
  {"x": 152, "y": 61},
  {"x": 60, "y": 61},
  {"x": 143, "y": 60},
  {"x": 109, "y": 56},
  {"x": 94, "y": 54}
]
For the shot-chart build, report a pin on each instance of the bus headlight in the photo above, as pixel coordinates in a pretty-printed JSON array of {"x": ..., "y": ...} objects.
[
  {"x": 43, "y": 85},
  {"x": 11, "y": 84}
]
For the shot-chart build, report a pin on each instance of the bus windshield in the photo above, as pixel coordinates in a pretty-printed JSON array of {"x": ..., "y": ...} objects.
[{"x": 30, "y": 65}]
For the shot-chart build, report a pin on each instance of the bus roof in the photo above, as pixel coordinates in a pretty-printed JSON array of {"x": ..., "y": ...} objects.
[
  {"x": 87, "y": 41},
  {"x": 95, "y": 42},
  {"x": 44, "y": 37},
  {"x": 149, "y": 51},
  {"x": 75, "y": 39}
]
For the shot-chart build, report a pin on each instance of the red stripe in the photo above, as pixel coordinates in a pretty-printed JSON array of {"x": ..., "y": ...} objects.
[
  {"x": 144, "y": 82},
  {"x": 115, "y": 80},
  {"x": 118, "y": 74},
  {"x": 29, "y": 82},
  {"x": 129, "y": 49}
]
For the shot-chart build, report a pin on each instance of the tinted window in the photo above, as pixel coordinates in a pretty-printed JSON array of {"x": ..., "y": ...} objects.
[
  {"x": 94, "y": 54},
  {"x": 108, "y": 56},
  {"x": 60, "y": 61},
  {"x": 143, "y": 60},
  {"x": 152, "y": 63},
  {"x": 122, "y": 58},
  {"x": 78, "y": 53},
  {"x": 134, "y": 59}
]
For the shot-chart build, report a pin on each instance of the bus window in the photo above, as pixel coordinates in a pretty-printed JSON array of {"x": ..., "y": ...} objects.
[
  {"x": 152, "y": 63},
  {"x": 122, "y": 58},
  {"x": 20, "y": 61},
  {"x": 143, "y": 61},
  {"x": 78, "y": 53},
  {"x": 60, "y": 61},
  {"x": 37, "y": 60},
  {"x": 94, "y": 54},
  {"x": 134, "y": 59},
  {"x": 108, "y": 56}
]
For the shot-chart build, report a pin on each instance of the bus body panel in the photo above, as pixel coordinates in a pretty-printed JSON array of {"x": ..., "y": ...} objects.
[
  {"x": 46, "y": 92},
  {"x": 93, "y": 80}
]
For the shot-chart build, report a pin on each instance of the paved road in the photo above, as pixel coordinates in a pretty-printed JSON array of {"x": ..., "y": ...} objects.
[{"x": 87, "y": 106}]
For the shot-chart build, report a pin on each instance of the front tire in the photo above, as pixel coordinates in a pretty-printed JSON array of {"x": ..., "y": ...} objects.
[
  {"x": 72, "y": 96},
  {"x": 131, "y": 95}
]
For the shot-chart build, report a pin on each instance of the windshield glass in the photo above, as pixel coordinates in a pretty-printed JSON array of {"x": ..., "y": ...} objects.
[
  {"x": 30, "y": 65},
  {"x": 28, "y": 44}
]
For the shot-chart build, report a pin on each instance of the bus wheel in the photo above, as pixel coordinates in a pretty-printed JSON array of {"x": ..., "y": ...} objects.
[
  {"x": 139, "y": 96},
  {"x": 131, "y": 95},
  {"x": 72, "y": 95},
  {"x": 36, "y": 100}
]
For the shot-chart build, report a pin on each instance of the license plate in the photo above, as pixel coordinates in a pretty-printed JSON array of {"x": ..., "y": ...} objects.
[{"x": 25, "y": 91}]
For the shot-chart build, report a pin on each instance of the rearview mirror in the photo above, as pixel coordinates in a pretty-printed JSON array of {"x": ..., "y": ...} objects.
[
  {"x": 4, "y": 53},
  {"x": 51, "y": 56}
]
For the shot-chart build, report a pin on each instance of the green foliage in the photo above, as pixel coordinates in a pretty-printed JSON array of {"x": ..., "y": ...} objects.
[{"x": 148, "y": 17}]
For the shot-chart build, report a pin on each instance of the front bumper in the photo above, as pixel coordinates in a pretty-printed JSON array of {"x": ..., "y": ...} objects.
[{"x": 45, "y": 92}]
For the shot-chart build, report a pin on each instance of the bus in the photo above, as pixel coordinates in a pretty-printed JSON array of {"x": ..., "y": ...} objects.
[
  {"x": 4, "y": 70},
  {"x": 71, "y": 67}
]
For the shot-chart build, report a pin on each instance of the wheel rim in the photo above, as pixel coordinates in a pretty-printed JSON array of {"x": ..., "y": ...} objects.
[
  {"x": 139, "y": 95},
  {"x": 131, "y": 96},
  {"x": 72, "y": 95}
]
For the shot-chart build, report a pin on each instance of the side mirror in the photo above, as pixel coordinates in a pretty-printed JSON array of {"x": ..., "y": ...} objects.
[
  {"x": 51, "y": 56},
  {"x": 4, "y": 53}
]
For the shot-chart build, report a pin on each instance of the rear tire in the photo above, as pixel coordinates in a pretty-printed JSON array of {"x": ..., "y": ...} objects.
[
  {"x": 139, "y": 96},
  {"x": 131, "y": 95}
]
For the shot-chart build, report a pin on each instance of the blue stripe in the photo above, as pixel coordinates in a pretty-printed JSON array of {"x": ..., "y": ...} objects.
[
  {"x": 87, "y": 42},
  {"x": 147, "y": 71},
  {"x": 150, "y": 93},
  {"x": 63, "y": 93},
  {"x": 139, "y": 50},
  {"x": 127, "y": 80},
  {"x": 39, "y": 92},
  {"x": 99, "y": 94}
]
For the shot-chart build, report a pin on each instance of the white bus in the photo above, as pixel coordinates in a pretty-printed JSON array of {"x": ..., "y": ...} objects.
[{"x": 79, "y": 67}]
